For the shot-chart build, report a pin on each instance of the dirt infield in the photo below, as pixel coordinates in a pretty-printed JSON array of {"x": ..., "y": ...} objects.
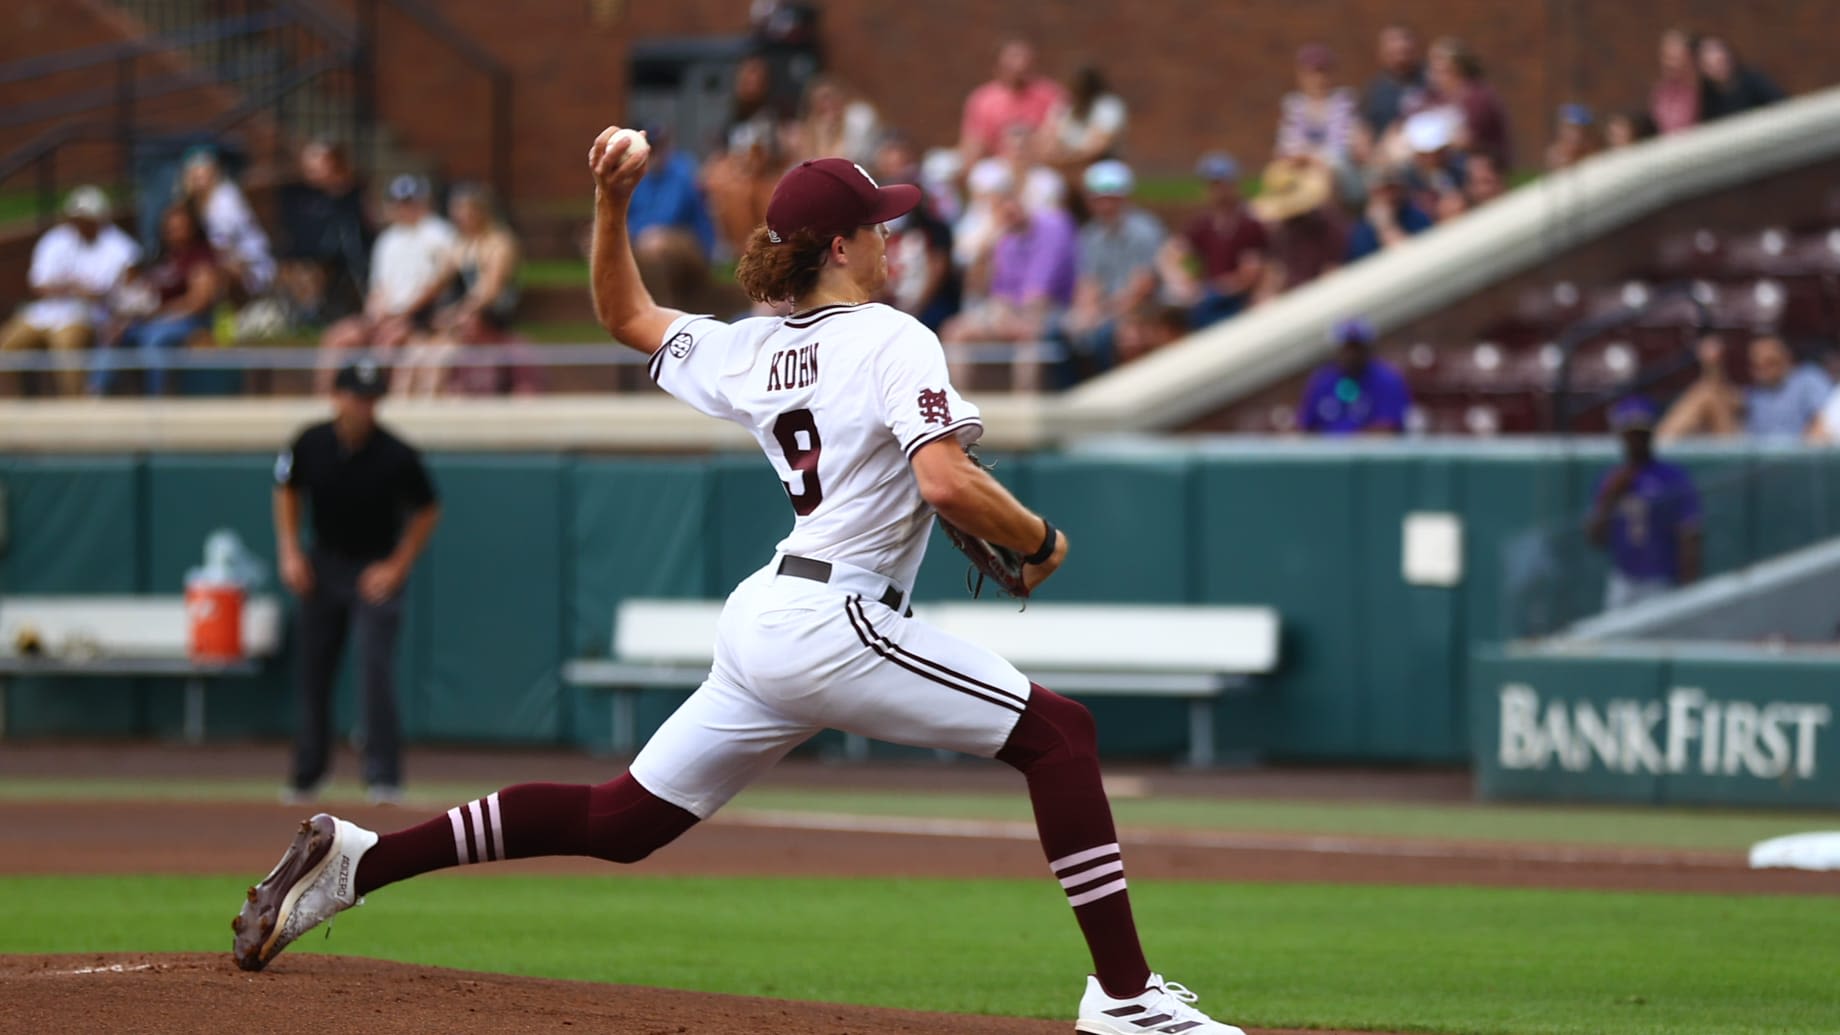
[
  {"x": 171, "y": 993},
  {"x": 315, "y": 995}
]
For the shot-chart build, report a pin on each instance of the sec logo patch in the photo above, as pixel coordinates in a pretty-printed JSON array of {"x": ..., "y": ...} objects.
[{"x": 680, "y": 345}]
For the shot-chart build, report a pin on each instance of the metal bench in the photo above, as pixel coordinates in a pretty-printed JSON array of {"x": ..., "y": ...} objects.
[
  {"x": 127, "y": 636},
  {"x": 1082, "y": 650}
]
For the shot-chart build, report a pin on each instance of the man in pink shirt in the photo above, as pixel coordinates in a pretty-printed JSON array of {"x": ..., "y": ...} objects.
[{"x": 1017, "y": 96}]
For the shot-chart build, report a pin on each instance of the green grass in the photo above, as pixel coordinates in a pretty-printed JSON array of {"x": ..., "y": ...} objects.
[
  {"x": 554, "y": 273},
  {"x": 1478, "y": 961},
  {"x": 1540, "y": 824}
]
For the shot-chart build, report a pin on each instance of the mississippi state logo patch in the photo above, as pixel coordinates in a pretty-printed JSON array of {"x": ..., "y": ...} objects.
[
  {"x": 935, "y": 408},
  {"x": 680, "y": 345}
]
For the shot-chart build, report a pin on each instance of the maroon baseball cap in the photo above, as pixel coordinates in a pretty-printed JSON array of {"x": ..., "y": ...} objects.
[{"x": 831, "y": 196}]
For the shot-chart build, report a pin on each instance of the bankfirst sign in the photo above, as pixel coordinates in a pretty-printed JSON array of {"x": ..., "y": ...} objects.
[
  {"x": 1735, "y": 730},
  {"x": 1689, "y": 732}
]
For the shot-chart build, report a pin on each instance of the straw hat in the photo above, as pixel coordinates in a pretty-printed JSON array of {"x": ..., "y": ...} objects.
[{"x": 1292, "y": 188}]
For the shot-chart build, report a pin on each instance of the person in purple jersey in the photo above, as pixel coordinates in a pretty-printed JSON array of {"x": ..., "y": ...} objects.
[
  {"x": 1646, "y": 514},
  {"x": 1356, "y": 394}
]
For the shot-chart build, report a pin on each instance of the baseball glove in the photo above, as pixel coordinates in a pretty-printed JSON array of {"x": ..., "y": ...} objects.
[
  {"x": 989, "y": 560},
  {"x": 999, "y": 564}
]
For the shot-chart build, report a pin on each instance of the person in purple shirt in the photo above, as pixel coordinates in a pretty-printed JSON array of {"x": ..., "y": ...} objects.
[
  {"x": 1027, "y": 277},
  {"x": 1356, "y": 394},
  {"x": 1646, "y": 514}
]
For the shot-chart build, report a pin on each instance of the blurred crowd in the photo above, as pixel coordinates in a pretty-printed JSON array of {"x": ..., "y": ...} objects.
[
  {"x": 411, "y": 285},
  {"x": 1032, "y": 255},
  {"x": 1035, "y": 255}
]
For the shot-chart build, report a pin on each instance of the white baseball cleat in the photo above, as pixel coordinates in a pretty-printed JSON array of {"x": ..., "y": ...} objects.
[
  {"x": 1163, "y": 1006},
  {"x": 315, "y": 879}
]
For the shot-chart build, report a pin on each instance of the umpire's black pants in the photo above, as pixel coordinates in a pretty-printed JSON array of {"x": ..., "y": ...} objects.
[{"x": 327, "y": 616}]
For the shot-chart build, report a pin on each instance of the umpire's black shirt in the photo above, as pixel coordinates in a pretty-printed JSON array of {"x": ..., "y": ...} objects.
[{"x": 358, "y": 497}]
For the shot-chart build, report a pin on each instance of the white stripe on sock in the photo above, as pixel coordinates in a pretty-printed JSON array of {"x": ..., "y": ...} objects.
[
  {"x": 1097, "y": 893},
  {"x": 1087, "y": 876},
  {"x": 461, "y": 855},
  {"x": 1079, "y": 857},
  {"x": 479, "y": 828},
  {"x": 498, "y": 826}
]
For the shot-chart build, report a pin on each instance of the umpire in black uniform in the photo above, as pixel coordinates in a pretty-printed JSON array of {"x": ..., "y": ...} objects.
[{"x": 373, "y": 509}]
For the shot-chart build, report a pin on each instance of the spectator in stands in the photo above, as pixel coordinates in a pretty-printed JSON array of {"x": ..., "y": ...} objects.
[
  {"x": 1015, "y": 96},
  {"x": 1731, "y": 87},
  {"x": 1434, "y": 178},
  {"x": 921, "y": 278},
  {"x": 1356, "y": 394},
  {"x": 672, "y": 235},
  {"x": 1307, "y": 237},
  {"x": 407, "y": 264},
  {"x": 1149, "y": 327},
  {"x": 184, "y": 284},
  {"x": 1024, "y": 281},
  {"x": 1457, "y": 77},
  {"x": 1400, "y": 87},
  {"x": 1013, "y": 167},
  {"x": 1227, "y": 243},
  {"x": 76, "y": 268},
  {"x": 1087, "y": 126},
  {"x": 326, "y": 234},
  {"x": 837, "y": 124},
  {"x": 1117, "y": 267},
  {"x": 1646, "y": 513},
  {"x": 1482, "y": 182},
  {"x": 1574, "y": 137},
  {"x": 1319, "y": 120},
  {"x": 241, "y": 244},
  {"x": 1623, "y": 128},
  {"x": 1675, "y": 100},
  {"x": 479, "y": 274},
  {"x": 738, "y": 178},
  {"x": 1390, "y": 218},
  {"x": 1781, "y": 401}
]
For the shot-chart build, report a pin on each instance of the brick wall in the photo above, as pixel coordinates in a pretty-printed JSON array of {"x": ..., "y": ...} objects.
[{"x": 1197, "y": 73}]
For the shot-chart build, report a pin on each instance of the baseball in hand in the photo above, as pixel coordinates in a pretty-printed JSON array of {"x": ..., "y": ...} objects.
[{"x": 637, "y": 150}]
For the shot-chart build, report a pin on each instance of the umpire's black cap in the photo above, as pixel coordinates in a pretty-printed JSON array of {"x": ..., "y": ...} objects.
[{"x": 365, "y": 377}]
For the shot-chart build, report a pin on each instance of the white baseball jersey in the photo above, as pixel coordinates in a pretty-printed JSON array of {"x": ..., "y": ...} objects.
[{"x": 839, "y": 399}]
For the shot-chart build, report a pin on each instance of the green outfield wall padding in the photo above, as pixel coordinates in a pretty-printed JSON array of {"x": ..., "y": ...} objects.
[
  {"x": 536, "y": 551},
  {"x": 495, "y": 591},
  {"x": 1408, "y": 700},
  {"x": 1280, "y": 532},
  {"x": 636, "y": 528},
  {"x": 1106, "y": 508},
  {"x": 74, "y": 525}
]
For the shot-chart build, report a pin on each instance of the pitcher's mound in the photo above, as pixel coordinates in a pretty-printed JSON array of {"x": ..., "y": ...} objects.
[{"x": 322, "y": 995}]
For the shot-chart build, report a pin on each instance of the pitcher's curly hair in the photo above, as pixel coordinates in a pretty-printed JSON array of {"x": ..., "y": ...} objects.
[{"x": 779, "y": 272}]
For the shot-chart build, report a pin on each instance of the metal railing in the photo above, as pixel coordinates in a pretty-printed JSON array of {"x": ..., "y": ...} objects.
[
  {"x": 281, "y": 58},
  {"x": 309, "y": 71}
]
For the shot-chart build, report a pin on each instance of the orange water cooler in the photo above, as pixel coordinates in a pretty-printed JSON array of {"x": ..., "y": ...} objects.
[{"x": 214, "y": 611}]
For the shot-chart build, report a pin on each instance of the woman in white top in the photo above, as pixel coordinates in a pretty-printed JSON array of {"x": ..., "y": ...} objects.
[
  {"x": 1089, "y": 126},
  {"x": 241, "y": 244},
  {"x": 1319, "y": 120}
]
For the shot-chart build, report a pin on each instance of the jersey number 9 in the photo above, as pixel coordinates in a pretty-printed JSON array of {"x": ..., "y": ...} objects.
[{"x": 796, "y": 431}]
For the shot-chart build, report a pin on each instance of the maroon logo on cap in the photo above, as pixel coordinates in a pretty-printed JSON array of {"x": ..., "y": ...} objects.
[{"x": 935, "y": 408}]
